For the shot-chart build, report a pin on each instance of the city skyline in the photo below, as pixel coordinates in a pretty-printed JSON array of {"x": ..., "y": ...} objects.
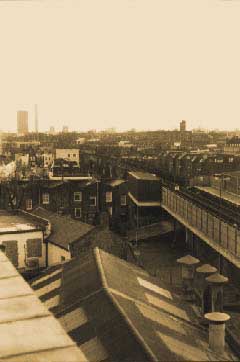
[{"x": 121, "y": 64}]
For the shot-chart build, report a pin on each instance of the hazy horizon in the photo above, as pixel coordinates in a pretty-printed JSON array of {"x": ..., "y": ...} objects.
[{"x": 143, "y": 64}]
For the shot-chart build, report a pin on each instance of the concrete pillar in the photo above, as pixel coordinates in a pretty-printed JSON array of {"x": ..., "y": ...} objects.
[
  {"x": 188, "y": 263},
  {"x": 216, "y": 282},
  {"x": 217, "y": 330},
  {"x": 200, "y": 284}
]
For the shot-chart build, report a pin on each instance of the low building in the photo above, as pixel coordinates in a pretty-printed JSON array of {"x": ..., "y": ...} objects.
[
  {"x": 64, "y": 232},
  {"x": 144, "y": 198},
  {"x": 76, "y": 197},
  {"x": 23, "y": 239}
]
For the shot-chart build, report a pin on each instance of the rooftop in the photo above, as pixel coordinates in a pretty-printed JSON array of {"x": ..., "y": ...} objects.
[
  {"x": 144, "y": 176},
  {"x": 120, "y": 313},
  {"x": 28, "y": 331},
  {"x": 64, "y": 229},
  {"x": 115, "y": 183},
  {"x": 17, "y": 222}
]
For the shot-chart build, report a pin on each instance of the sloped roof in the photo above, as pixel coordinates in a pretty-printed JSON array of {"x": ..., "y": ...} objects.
[
  {"x": 17, "y": 222},
  {"x": 117, "y": 311},
  {"x": 28, "y": 331},
  {"x": 64, "y": 229}
]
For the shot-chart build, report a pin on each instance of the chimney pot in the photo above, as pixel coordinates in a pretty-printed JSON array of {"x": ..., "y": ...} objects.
[{"x": 217, "y": 322}]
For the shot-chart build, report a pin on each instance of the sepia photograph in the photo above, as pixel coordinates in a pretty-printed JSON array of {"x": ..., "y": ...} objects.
[{"x": 119, "y": 180}]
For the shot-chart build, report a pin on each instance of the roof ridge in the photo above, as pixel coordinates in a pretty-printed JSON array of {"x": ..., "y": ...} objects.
[
  {"x": 100, "y": 267},
  {"x": 120, "y": 309}
]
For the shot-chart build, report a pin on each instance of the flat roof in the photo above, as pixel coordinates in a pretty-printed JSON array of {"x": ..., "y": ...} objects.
[
  {"x": 144, "y": 175},
  {"x": 16, "y": 223}
]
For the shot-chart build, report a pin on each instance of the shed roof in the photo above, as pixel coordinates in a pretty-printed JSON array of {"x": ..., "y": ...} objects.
[{"x": 65, "y": 230}]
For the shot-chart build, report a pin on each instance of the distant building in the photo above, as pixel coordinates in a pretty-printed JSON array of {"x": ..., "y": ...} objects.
[
  {"x": 232, "y": 146},
  {"x": 47, "y": 159},
  {"x": 65, "y": 129},
  {"x": 125, "y": 144},
  {"x": 183, "y": 126},
  {"x": 69, "y": 154},
  {"x": 51, "y": 130},
  {"x": 81, "y": 140},
  {"x": 22, "y": 122},
  {"x": 22, "y": 159}
]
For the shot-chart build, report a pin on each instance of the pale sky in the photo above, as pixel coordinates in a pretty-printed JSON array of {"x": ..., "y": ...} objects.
[{"x": 144, "y": 64}]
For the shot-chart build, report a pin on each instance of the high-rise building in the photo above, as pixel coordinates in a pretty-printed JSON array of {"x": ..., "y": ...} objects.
[
  {"x": 183, "y": 126},
  {"x": 22, "y": 122}
]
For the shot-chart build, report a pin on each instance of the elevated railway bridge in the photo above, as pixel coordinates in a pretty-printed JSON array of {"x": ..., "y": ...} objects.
[{"x": 212, "y": 226}]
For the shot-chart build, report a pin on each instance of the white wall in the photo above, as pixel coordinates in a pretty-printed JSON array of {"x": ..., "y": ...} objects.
[
  {"x": 21, "y": 239},
  {"x": 68, "y": 154},
  {"x": 55, "y": 253},
  {"x": 47, "y": 159}
]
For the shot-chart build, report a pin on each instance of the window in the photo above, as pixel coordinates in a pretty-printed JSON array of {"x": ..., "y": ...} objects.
[
  {"x": 77, "y": 196},
  {"x": 63, "y": 259},
  {"x": 34, "y": 248},
  {"x": 109, "y": 196},
  {"x": 74, "y": 155},
  {"x": 93, "y": 201},
  {"x": 78, "y": 212},
  {"x": 45, "y": 198},
  {"x": 29, "y": 204},
  {"x": 11, "y": 250},
  {"x": 123, "y": 200}
]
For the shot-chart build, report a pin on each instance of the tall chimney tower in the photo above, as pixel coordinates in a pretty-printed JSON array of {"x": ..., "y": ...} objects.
[{"x": 36, "y": 118}]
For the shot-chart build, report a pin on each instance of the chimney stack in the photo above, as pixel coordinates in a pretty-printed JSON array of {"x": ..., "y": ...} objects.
[{"x": 217, "y": 330}]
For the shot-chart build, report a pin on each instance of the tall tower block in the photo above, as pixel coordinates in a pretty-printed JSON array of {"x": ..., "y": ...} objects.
[{"x": 22, "y": 122}]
